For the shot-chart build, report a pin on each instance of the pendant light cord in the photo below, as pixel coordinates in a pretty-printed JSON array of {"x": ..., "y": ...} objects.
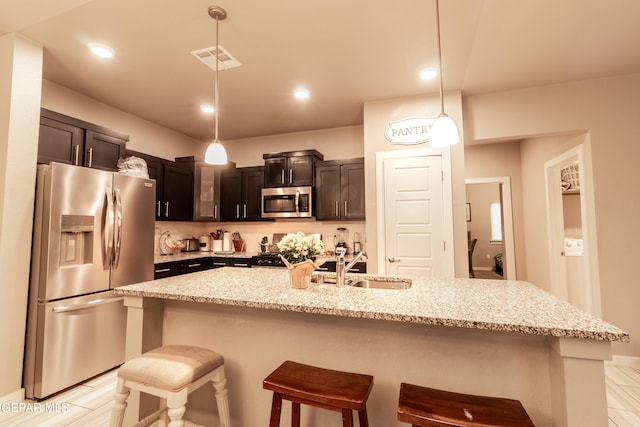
[
  {"x": 215, "y": 98},
  {"x": 439, "y": 56}
]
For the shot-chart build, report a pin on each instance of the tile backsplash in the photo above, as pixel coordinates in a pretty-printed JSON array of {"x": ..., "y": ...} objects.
[{"x": 252, "y": 232}]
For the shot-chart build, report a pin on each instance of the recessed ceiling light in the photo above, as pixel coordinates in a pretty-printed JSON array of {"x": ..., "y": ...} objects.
[
  {"x": 207, "y": 109},
  {"x": 101, "y": 50},
  {"x": 428, "y": 74},
  {"x": 301, "y": 93}
]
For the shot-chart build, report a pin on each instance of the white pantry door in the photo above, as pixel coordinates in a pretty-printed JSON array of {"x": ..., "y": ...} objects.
[{"x": 413, "y": 210}]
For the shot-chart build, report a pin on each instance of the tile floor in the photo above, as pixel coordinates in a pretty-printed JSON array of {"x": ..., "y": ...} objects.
[
  {"x": 86, "y": 405},
  {"x": 89, "y": 404},
  {"x": 623, "y": 395}
]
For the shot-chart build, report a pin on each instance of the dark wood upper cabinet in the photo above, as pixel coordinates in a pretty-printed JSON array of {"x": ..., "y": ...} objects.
[
  {"x": 174, "y": 187},
  {"x": 178, "y": 193},
  {"x": 290, "y": 169},
  {"x": 340, "y": 190},
  {"x": 241, "y": 194},
  {"x": 101, "y": 150},
  {"x": 68, "y": 140},
  {"x": 206, "y": 187},
  {"x": 59, "y": 142}
]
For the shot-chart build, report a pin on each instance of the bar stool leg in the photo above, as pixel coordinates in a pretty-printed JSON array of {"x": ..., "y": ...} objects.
[
  {"x": 347, "y": 418},
  {"x": 362, "y": 416},
  {"x": 276, "y": 407},
  {"x": 219, "y": 382},
  {"x": 295, "y": 414},
  {"x": 177, "y": 408},
  {"x": 119, "y": 404}
]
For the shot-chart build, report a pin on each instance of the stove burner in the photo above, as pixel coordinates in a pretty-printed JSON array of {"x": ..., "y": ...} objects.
[{"x": 267, "y": 259}]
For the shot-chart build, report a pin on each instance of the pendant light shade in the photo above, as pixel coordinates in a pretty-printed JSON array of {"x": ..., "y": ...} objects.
[
  {"x": 216, "y": 154},
  {"x": 444, "y": 132}
]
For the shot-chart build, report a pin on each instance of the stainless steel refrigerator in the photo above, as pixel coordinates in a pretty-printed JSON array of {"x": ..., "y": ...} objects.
[{"x": 93, "y": 231}]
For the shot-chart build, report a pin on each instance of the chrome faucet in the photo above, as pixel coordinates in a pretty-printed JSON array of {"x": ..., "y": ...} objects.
[{"x": 341, "y": 268}]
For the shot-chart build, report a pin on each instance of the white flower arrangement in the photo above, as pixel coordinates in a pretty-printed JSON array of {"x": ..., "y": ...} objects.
[{"x": 297, "y": 247}]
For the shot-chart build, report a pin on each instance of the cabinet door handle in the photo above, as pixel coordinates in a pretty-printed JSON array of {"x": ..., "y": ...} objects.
[
  {"x": 241, "y": 265},
  {"x": 337, "y": 209},
  {"x": 76, "y": 155},
  {"x": 237, "y": 211},
  {"x": 158, "y": 213},
  {"x": 244, "y": 210},
  {"x": 282, "y": 177},
  {"x": 90, "y": 158},
  {"x": 290, "y": 176},
  {"x": 345, "y": 208},
  {"x": 166, "y": 209},
  {"x": 194, "y": 265},
  {"x": 163, "y": 270},
  {"x": 215, "y": 211}
]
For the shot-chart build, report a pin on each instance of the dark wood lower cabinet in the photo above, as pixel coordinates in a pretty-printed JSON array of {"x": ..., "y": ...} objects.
[
  {"x": 166, "y": 269},
  {"x": 176, "y": 268}
]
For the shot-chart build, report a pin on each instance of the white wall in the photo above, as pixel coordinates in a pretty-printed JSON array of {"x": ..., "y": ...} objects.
[
  {"x": 377, "y": 116},
  {"x": 20, "y": 80},
  {"x": 144, "y": 136},
  {"x": 337, "y": 143},
  {"x": 607, "y": 109}
]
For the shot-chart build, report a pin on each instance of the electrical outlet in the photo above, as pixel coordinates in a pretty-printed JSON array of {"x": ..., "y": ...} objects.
[{"x": 488, "y": 256}]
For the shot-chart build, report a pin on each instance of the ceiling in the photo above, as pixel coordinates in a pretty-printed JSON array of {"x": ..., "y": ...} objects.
[{"x": 345, "y": 52}]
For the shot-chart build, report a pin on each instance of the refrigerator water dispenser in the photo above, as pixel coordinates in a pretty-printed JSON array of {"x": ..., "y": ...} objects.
[{"x": 76, "y": 240}]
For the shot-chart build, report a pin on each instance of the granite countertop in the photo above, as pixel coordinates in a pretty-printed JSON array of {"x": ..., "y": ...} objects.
[
  {"x": 498, "y": 305},
  {"x": 182, "y": 256}
]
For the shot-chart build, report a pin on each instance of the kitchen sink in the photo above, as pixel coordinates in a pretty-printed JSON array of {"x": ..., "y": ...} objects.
[
  {"x": 381, "y": 284},
  {"x": 370, "y": 283}
]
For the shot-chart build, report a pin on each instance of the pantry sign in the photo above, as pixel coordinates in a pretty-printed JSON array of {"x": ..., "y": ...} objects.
[{"x": 410, "y": 131}]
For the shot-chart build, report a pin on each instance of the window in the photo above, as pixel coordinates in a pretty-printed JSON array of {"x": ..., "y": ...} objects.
[{"x": 496, "y": 222}]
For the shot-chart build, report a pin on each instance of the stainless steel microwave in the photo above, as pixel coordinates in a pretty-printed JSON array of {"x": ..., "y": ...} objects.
[{"x": 287, "y": 202}]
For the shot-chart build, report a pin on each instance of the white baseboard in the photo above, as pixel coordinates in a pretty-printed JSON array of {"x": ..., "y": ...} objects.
[
  {"x": 13, "y": 397},
  {"x": 632, "y": 362}
]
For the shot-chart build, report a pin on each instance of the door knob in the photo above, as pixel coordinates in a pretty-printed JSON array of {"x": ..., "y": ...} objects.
[{"x": 392, "y": 259}]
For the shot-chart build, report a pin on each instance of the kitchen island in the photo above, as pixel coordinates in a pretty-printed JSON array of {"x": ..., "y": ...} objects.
[{"x": 502, "y": 338}]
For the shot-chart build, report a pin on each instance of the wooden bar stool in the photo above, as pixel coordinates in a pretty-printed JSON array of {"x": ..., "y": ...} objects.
[
  {"x": 171, "y": 372},
  {"x": 428, "y": 407},
  {"x": 323, "y": 388}
]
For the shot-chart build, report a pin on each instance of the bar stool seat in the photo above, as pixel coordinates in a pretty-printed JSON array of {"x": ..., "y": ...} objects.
[
  {"x": 322, "y": 388},
  {"x": 171, "y": 372},
  {"x": 428, "y": 407}
]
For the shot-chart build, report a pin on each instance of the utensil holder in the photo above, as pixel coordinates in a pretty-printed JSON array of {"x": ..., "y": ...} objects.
[{"x": 238, "y": 245}]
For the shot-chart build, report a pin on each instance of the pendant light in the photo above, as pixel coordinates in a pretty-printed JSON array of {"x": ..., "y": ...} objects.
[
  {"x": 216, "y": 154},
  {"x": 444, "y": 132}
]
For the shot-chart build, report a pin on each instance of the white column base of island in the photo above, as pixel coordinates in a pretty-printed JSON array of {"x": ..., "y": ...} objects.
[{"x": 500, "y": 338}]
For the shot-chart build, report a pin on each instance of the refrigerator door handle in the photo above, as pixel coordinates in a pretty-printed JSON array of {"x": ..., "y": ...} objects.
[
  {"x": 94, "y": 303},
  {"x": 117, "y": 229},
  {"x": 108, "y": 230}
]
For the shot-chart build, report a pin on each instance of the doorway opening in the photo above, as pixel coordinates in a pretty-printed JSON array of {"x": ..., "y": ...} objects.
[
  {"x": 490, "y": 220},
  {"x": 571, "y": 231}
]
